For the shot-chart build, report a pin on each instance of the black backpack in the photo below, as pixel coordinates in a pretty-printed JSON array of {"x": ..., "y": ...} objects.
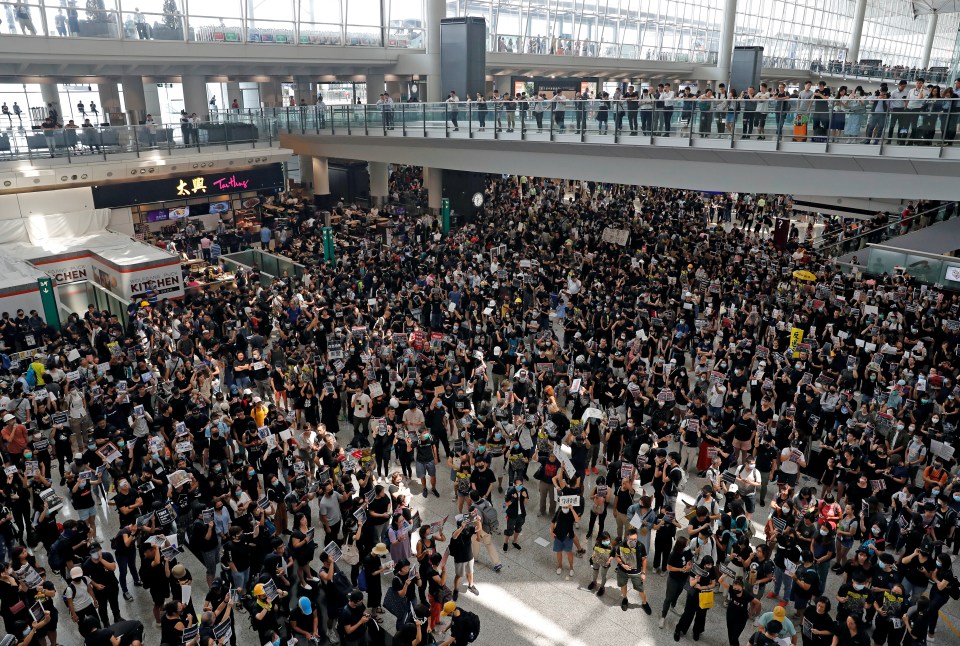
[{"x": 472, "y": 621}]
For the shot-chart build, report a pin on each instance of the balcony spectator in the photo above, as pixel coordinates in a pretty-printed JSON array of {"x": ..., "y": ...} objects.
[{"x": 24, "y": 19}]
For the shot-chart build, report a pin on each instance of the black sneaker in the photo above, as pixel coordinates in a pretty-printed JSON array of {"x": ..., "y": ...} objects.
[
  {"x": 623, "y": 605},
  {"x": 676, "y": 635},
  {"x": 505, "y": 547},
  {"x": 593, "y": 585},
  {"x": 647, "y": 609},
  {"x": 456, "y": 593},
  {"x": 435, "y": 493},
  {"x": 517, "y": 546}
]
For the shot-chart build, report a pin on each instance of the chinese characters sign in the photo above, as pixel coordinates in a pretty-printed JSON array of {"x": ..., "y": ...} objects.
[{"x": 181, "y": 188}]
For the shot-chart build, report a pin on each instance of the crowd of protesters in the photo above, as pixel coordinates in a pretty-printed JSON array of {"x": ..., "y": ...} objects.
[{"x": 586, "y": 350}]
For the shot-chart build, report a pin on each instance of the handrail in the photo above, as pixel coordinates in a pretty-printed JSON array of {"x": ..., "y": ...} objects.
[
  {"x": 824, "y": 240},
  {"x": 881, "y": 228},
  {"x": 95, "y": 142}
]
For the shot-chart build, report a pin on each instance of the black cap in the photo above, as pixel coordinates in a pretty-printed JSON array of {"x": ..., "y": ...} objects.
[{"x": 356, "y": 596}]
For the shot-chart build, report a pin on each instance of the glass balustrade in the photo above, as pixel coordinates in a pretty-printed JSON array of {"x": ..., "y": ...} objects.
[
  {"x": 766, "y": 125},
  {"x": 857, "y": 120}
]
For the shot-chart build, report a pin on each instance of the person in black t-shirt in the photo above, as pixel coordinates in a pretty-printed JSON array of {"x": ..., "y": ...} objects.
[
  {"x": 693, "y": 612},
  {"x": 482, "y": 480},
  {"x": 304, "y": 621},
  {"x": 738, "y": 609}
]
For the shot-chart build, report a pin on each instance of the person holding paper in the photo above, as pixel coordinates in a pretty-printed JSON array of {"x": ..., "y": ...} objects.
[
  {"x": 175, "y": 620},
  {"x": 101, "y": 567},
  {"x": 700, "y": 585}
]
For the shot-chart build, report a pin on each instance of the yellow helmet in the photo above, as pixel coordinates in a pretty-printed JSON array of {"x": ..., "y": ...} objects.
[{"x": 258, "y": 590}]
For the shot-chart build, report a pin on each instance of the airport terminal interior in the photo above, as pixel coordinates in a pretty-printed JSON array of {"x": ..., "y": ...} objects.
[{"x": 438, "y": 322}]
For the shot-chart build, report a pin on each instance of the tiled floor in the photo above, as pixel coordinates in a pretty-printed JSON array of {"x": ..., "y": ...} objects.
[{"x": 524, "y": 604}]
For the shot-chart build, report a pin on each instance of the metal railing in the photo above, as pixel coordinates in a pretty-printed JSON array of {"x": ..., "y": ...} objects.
[
  {"x": 874, "y": 70},
  {"x": 97, "y": 142},
  {"x": 864, "y": 120},
  {"x": 845, "y": 240}
]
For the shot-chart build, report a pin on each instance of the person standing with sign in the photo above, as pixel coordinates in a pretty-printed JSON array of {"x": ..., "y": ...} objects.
[{"x": 700, "y": 587}]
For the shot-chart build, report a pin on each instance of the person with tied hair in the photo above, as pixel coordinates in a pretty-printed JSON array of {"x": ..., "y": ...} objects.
[{"x": 700, "y": 587}]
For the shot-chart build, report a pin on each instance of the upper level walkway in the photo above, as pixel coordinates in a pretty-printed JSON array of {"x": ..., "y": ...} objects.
[{"x": 897, "y": 155}]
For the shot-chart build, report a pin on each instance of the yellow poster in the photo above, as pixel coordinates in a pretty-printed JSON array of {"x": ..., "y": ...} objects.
[{"x": 796, "y": 338}]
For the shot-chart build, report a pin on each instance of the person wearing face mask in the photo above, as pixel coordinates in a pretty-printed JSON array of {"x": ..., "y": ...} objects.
[
  {"x": 101, "y": 568},
  {"x": 81, "y": 496},
  {"x": 700, "y": 585},
  {"x": 853, "y": 597},
  {"x": 601, "y": 560},
  {"x": 361, "y": 403},
  {"x": 944, "y": 586},
  {"x": 562, "y": 532},
  {"x": 916, "y": 452},
  {"x": 890, "y": 605},
  {"x": 739, "y": 608},
  {"x": 631, "y": 558},
  {"x": 515, "y": 510},
  {"x": 205, "y": 542}
]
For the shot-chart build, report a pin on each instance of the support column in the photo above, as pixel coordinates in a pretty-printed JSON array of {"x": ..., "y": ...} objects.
[
  {"x": 271, "y": 94},
  {"x": 726, "y": 38},
  {"x": 233, "y": 92},
  {"x": 379, "y": 183},
  {"x": 152, "y": 96},
  {"x": 436, "y": 11},
  {"x": 134, "y": 100},
  {"x": 375, "y": 87},
  {"x": 306, "y": 171},
  {"x": 502, "y": 84},
  {"x": 109, "y": 101},
  {"x": 853, "y": 46},
  {"x": 321, "y": 177},
  {"x": 51, "y": 99},
  {"x": 304, "y": 90},
  {"x": 433, "y": 182},
  {"x": 195, "y": 95},
  {"x": 928, "y": 41},
  {"x": 393, "y": 88}
]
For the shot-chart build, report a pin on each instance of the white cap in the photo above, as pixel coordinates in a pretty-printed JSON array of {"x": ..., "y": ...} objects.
[
  {"x": 247, "y": 391},
  {"x": 76, "y": 572},
  {"x": 394, "y": 402},
  {"x": 256, "y": 400},
  {"x": 8, "y": 417}
]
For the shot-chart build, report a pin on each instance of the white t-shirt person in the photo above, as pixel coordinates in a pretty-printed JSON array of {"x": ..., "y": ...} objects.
[{"x": 361, "y": 405}]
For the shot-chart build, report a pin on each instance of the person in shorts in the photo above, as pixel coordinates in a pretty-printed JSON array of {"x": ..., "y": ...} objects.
[
  {"x": 425, "y": 452},
  {"x": 562, "y": 529},
  {"x": 631, "y": 558},
  {"x": 515, "y": 501}
]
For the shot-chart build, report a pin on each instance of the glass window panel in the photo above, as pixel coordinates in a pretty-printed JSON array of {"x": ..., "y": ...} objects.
[
  {"x": 216, "y": 8},
  {"x": 406, "y": 26},
  {"x": 364, "y": 12},
  {"x": 269, "y": 10},
  {"x": 273, "y": 32},
  {"x": 207, "y": 29},
  {"x": 95, "y": 21},
  {"x": 321, "y": 34},
  {"x": 152, "y": 19},
  {"x": 320, "y": 11},
  {"x": 361, "y": 36}
]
